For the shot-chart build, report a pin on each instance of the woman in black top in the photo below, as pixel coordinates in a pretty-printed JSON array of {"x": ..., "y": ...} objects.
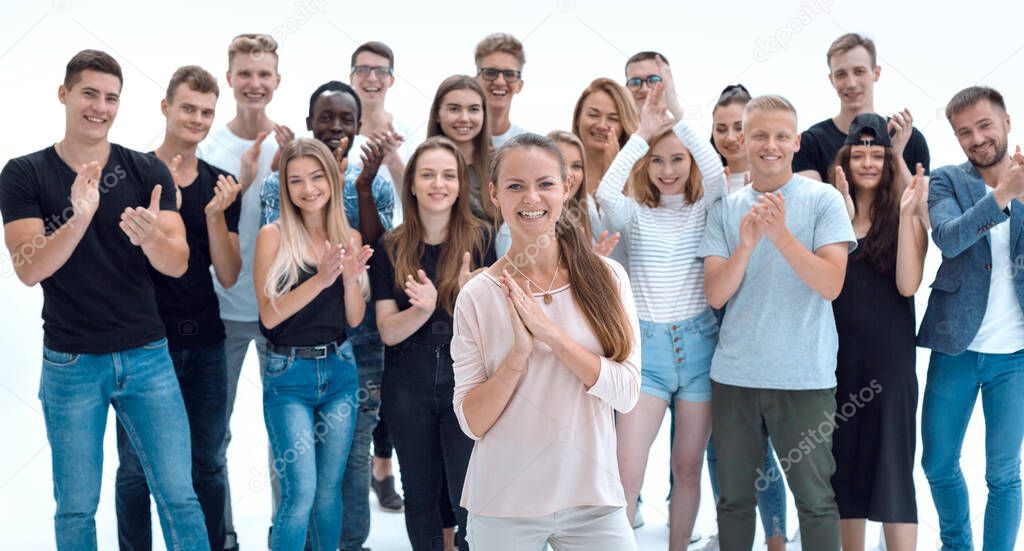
[
  {"x": 310, "y": 281},
  {"x": 876, "y": 396},
  {"x": 416, "y": 276}
]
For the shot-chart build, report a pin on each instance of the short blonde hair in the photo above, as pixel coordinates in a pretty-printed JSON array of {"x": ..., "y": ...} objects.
[
  {"x": 254, "y": 44},
  {"x": 767, "y": 103},
  {"x": 500, "y": 42}
]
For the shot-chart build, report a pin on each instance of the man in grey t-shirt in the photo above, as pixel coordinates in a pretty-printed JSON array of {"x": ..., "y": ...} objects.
[{"x": 776, "y": 253}]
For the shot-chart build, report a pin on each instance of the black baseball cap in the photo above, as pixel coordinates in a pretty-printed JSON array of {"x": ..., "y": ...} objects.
[{"x": 869, "y": 123}]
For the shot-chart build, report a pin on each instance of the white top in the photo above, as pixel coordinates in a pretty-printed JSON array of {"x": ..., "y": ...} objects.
[
  {"x": 1002, "y": 328},
  {"x": 223, "y": 149},
  {"x": 737, "y": 181},
  {"x": 554, "y": 445},
  {"x": 667, "y": 276},
  {"x": 513, "y": 131}
]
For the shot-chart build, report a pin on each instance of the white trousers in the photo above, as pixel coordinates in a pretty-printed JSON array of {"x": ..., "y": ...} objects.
[{"x": 573, "y": 529}]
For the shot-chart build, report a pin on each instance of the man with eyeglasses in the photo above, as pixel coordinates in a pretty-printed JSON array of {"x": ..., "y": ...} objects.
[
  {"x": 499, "y": 70},
  {"x": 372, "y": 75},
  {"x": 643, "y": 71}
]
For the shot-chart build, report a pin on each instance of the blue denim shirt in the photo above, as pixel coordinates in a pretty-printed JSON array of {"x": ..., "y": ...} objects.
[{"x": 383, "y": 198}]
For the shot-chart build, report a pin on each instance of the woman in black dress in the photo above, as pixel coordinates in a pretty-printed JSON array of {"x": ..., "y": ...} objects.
[{"x": 876, "y": 396}]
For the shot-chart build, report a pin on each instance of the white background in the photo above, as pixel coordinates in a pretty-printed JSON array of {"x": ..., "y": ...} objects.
[{"x": 927, "y": 52}]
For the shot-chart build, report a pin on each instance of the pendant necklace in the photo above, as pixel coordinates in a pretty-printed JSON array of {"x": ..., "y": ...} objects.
[{"x": 547, "y": 294}]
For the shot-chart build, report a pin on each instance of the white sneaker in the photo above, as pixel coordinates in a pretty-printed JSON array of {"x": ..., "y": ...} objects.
[
  {"x": 794, "y": 542},
  {"x": 712, "y": 543},
  {"x": 695, "y": 536},
  {"x": 638, "y": 519}
]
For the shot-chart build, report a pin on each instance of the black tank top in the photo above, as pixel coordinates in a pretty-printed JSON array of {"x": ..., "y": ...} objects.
[{"x": 320, "y": 322}]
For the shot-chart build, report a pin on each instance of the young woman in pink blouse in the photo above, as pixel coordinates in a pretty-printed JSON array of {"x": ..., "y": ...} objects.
[{"x": 545, "y": 347}]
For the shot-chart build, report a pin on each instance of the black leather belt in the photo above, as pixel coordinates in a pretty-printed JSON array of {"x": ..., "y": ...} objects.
[{"x": 306, "y": 352}]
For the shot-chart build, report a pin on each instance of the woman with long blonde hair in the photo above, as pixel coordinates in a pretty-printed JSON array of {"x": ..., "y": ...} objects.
[
  {"x": 545, "y": 350},
  {"x": 674, "y": 175},
  {"x": 310, "y": 281}
]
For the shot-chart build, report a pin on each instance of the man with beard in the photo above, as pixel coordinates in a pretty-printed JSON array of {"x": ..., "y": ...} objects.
[
  {"x": 974, "y": 323},
  {"x": 334, "y": 114}
]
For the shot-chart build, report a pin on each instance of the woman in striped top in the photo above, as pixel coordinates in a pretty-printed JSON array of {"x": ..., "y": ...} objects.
[{"x": 673, "y": 180}]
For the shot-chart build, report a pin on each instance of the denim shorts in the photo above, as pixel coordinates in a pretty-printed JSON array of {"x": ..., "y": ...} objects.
[{"x": 677, "y": 358}]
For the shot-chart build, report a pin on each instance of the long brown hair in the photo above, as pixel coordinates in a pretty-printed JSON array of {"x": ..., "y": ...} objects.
[
  {"x": 482, "y": 141},
  {"x": 578, "y": 201},
  {"x": 628, "y": 117},
  {"x": 592, "y": 283},
  {"x": 646, "y": 193},
  {"x": 879, "y": 245},
  {"x": 405, "y": 244}
]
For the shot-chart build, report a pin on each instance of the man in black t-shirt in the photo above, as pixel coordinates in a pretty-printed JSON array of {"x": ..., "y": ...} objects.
[
  {"x": 853, "y": 71},
  {"x": 86, "y": 219},
  {"x": 207, "y": 202}
]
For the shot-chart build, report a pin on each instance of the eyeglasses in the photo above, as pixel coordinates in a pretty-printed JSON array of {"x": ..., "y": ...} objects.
[
  {"x": 489, "y": 73},
  {"x": 637, "y": 83},
  {"x": 379, "y": 70}
]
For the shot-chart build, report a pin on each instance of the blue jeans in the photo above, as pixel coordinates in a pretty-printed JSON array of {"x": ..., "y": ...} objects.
[
  {"x": 76, "y": 390},
  {"x": 771, "y": 498},
  {"x": 677, "y": 358},
  {"x": 309, "y": 407},
  {"x": 202, "y": 376},
  {"x": 355, "y": 485},
  {"x": 949, "y": 397}
]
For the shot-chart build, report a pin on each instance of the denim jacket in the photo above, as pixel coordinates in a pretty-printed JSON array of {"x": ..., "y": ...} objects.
[{"x": 962, "y": 213}]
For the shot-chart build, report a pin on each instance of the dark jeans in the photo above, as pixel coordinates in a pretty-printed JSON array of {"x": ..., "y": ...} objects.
[
  {"x": 202, "y": 376},
  {"x": 417, "y": 397},
  {"x": 382, "y": 445},
  {"x": 368, "y": 352}
]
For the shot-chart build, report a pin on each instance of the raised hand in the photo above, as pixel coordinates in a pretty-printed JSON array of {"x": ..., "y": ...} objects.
[
  {"x": 140, "y": 224},
  {"x": 283, "y": 136},
  {"x": 177, "y": 177},
  {"x": 465, "y": 274},
  {"x": 654, "y": 116},
  {"x": 373, "y": 154},
  {"x": 85, "y": 190},
  {"x": 901, "y": 127},
  {"x": 771, "y": 210},
  {"x": 224, "y": 195},
  {"x": 353, "y": 261},
  {"x": 422, "y": 293},
  {"x": 914, "y": 201},
  {"x": 843, "y": 185},
  {"x": 606, "y": 243},
  {"x": 251, "y": 162},
  {"x": 330, "y": 265},
  {"x": 751, "y": 229},
  {"x": 339, "y": 155},
  {"x": 671, "y": 97},
  {"x": 1011, "y": 184}
]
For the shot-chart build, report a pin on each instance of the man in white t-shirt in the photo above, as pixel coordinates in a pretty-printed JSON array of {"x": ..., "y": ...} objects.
[
  {"x": 974, "y": 324},
  {"x": 499, "y": 70},
  {"x": 241, "y": 148},
  {"x": 372, "y": 74}
]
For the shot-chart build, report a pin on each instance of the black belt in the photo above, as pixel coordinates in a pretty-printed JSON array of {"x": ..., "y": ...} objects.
[{"x": 306, "y": 352}]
